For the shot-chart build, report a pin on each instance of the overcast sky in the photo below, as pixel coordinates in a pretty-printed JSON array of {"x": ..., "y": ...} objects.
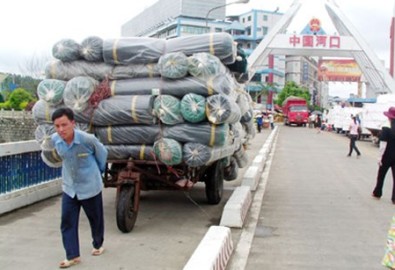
[{"x": 32, "y": 27}]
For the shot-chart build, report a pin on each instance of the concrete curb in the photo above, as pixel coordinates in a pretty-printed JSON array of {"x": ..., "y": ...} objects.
[
  {"x": 213, "y": 252},
  {"x": 20, "y": 198},
  {"x": 236, "y": 209}
]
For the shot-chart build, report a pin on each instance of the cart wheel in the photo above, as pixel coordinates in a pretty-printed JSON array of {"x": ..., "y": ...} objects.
[
  {"x": 126, "y": 208},
  {"x": 215, "y": 182}
]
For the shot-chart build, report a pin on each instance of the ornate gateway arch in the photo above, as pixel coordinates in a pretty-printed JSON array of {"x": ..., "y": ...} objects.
[{"x": 348, "y": 43}]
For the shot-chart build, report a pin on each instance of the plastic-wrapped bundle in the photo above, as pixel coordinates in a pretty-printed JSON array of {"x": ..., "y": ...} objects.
[
  {"x": 68, "y": 70},
  {"x": 98, "y": 70},
  {"x": 137, "y": 134},
  {"x": 124, "y": 110},
  {"x": 45, "y": 131},
  {"x": 204, "y": 133},
  {"x": 218, "y": 44},
  {"x": 221, "y": 109},
  {"x": 177, "y": 88},
  {"x": 42, "y": 112},
  {"x": 137, "y": 152},
  {"x": 243, "y": 101},
  {"x": 168, "y": 151},
  {"x": 205, "y": 65},
  {"x": 130, "y": 50},
  {"x": 51, "y": 158},
  {"x": 238, "y": 132},
  {"x": 173, "y": 65},
  {"x": 193, "y": 108},
  {"x": 250, "y": 129},
  {"x": 196, "y": 154},
  {"x": 51, "y": 91},
  {"x": 248, "y": 116},
  {"x": 167, "y": 108},
  {"x": 241, "y": 157},
  {"x": 78, "y": 91},
  {"x": 66, "y": 50},
  {"x": 92, "y": 49}
]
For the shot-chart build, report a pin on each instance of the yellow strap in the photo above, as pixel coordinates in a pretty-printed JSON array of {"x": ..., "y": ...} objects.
[
  {"x": 150, "y": 68},
  {"x": 142, "y": 150},
  {"x": 112, "y": 86},
  {"x": 47, "y": 114},
  {"x": 133, "y": 109},
  {"x": 212, "y": 135},
  {"x": 114, "y": 51},
  {"x": 53, "y": 70},
  {"x": 109, "y": 136},
  {"x": 210, "y": 86},
  {"x": 55, "y": 155},
  {"x": 212, "y": 51}
]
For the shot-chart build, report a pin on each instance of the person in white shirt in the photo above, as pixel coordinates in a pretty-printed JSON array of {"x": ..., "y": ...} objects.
[{"x": 353, "y": 134}]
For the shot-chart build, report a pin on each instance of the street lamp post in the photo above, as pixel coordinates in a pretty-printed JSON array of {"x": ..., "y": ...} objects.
[{"x": 221, "y": 6}]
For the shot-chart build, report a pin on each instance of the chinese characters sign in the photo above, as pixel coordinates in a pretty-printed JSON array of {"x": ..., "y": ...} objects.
[{"x": 314, "y": 41}]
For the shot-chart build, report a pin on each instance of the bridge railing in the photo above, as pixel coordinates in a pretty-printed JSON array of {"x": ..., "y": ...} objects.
[{"x": 24, "y": 176}]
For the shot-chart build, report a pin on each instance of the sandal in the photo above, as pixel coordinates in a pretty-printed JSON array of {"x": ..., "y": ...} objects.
[
  {"x": 68, "y": 263},
  {"x": 97, "y": 251}
]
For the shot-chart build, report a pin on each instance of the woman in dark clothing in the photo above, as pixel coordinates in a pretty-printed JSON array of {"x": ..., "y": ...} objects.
[{"x": 387, "y": 155}]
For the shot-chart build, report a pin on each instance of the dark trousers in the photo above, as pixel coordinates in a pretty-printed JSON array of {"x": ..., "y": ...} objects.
[
  {"x": 353, "y": 138},
  {"x": 93, "y": 209},
  {"x": 378, "y": 190}
]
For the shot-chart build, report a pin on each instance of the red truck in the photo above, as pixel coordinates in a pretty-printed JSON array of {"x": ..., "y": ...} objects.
[{"x": 295, "y": 111}]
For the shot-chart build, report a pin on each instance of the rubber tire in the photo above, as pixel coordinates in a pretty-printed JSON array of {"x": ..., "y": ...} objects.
[
  {"x": 126, "y": 215},
  {"x": 215, "y": 182},
  {"x": 232, "y": 171}
]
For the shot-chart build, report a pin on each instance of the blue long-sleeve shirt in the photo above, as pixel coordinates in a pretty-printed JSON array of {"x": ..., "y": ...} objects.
[{"x": 83, "y": 162}]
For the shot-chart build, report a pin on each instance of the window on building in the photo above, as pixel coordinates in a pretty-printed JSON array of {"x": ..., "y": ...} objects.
[
  {"x": 265, "y": 18},
  {"x": 218, "y": 30},
  {"x": 244, "y": 20},
  {"x": 193, "y": 29},
  {"x": 264, "y": 30},
  {"x": 249, "y": 18}
]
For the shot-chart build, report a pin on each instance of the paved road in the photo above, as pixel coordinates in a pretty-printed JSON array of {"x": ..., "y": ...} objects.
[
  {"x": 315, "y": 207},
  {"x": 169, "y": 227}
]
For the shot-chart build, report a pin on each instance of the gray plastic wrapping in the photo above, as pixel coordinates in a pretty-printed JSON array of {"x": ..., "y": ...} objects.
[
  {"x": 197, "y": 155},
  {"x": 177, "y": 88},
  {"x": 168, "y": 151},
  {"x": 221, "y": 45},
  {"x": 128, "y": 135},
  {"x": 92, "y": 49},
  {"x": 222, "y": 109},
  {"x": 149, "y": 50},
  {"x": 241, "y": 157},
  {"x": 136, "y": 152},
  {"x": 66, "y": 50},
  {"x": 243, "y": 101},
  {"x": 78, "y": 91},
  {"x": 130, "y": 50},
  {"x": 51, "y": 158},
  {"x": 173, "y": 65},
  {"x": 124, "y": 110},
  {"x": 42, "y": 112},
  {"x": 98, "y": 70},
  {"x": 205, "y": 66},
  {"x": 51, "y": 91},
  {"x": 204, "y": 133},
  {"x": 193, "y": 108},
  {"x": 167, "y": 108}
]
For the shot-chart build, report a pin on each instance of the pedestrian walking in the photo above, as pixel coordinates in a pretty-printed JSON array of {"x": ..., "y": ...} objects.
[
  {"x": 271, "y": 120},
  {"x": 353, "y": 134},
  {"x": 83, "y": 162},
  {"x": 259, "y": 122},
  {"x": 386, "y": 155}
]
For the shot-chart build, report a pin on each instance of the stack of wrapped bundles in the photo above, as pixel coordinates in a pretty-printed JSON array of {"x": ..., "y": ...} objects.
[{"x": 149, "y": 99}]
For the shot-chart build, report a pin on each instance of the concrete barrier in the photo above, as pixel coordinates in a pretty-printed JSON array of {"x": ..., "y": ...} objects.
[
  {"x": 213, "y": 252},
  {"x": 251, "y": 177},
  {"x": 236, "y": 208}
]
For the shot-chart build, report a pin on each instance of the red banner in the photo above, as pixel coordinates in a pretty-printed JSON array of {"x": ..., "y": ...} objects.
[{"x": 339, "y": 70}]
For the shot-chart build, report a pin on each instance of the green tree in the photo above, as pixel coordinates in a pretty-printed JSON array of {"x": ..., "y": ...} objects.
[
  {"x": 19, "y": 98},
  {"x": 292, "y": 89}
]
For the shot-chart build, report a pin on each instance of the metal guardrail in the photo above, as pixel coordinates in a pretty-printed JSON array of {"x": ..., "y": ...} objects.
[{"x": 21, "y": 166}]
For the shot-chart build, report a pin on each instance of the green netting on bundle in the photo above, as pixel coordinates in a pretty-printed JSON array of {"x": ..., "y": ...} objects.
[
  {"x": 51, "y": 91},
  {"x": 196, "y": 154},
  {"x": 205, "y": 65},
  {"x": 167, "y": 108},
  {"x": 168, "y": 151},
  {"x": 66, "y": 50},
  {"x": 92, "y": 49},
  {"x": 173, "y": 65},
  {"x": 193, "y": 108},
  {"x": 78, "y": 91}
]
